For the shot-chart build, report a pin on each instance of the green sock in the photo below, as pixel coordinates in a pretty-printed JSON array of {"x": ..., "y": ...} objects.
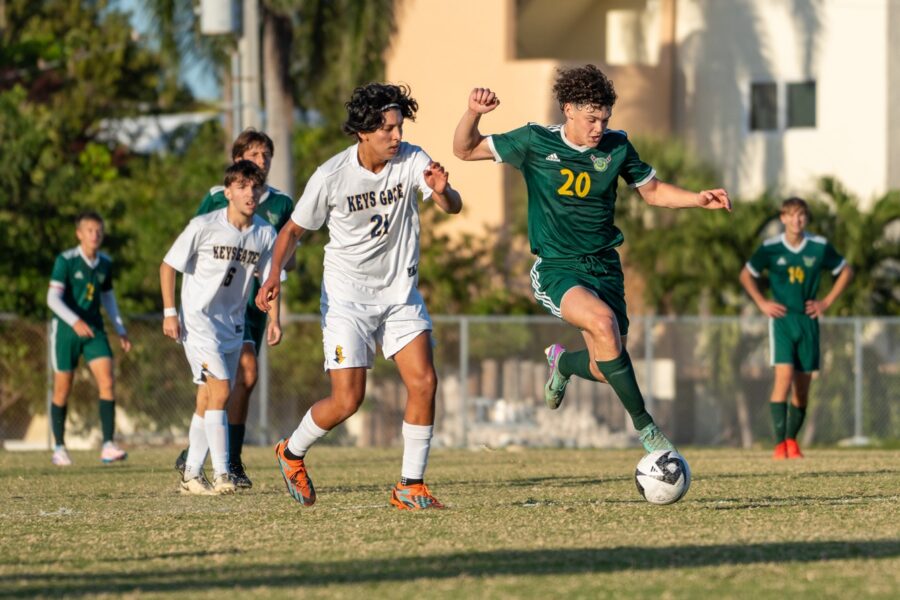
[
  {"x": 108, "y": 419},
  {"x": 576, "y": 363},
  {"x": 620, "y": 374},
  {"x": 779, "y": 413},
  {"x": 58, "y": 420},
  {"x": 795, "y": 416},
  {"x": 235, "y": 442}
]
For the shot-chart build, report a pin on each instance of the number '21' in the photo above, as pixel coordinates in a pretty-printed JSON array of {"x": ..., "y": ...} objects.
[
  {"x": 381, "y": 225},
  {"x": 582, "y": 184}
]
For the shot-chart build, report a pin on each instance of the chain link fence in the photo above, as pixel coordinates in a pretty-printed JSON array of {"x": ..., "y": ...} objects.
[{"x": 707, "y": 382}]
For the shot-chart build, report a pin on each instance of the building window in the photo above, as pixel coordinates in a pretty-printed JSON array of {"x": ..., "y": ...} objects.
[
  {"x": 763, "y": 106},
  {"x": 801, "y": 104}
]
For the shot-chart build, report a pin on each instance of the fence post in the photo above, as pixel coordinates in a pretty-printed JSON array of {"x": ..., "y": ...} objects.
[
  {"x": 648, "y": 362},
  {"x": 263, "y": 367},
  {"x": 858, "y": 438},
  {"x": 464, "y": 380},
  {"x": 49, "y": 383}
]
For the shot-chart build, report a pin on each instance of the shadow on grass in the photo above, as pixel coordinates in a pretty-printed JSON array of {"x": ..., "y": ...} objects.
[{"x": 562, "y": 561}]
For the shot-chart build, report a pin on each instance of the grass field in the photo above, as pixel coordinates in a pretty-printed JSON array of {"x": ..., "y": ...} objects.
[{"x": 530, "y": 524}]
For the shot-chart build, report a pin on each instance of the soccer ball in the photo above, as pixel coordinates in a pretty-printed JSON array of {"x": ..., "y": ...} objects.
[{"x": 663, "y": 477}]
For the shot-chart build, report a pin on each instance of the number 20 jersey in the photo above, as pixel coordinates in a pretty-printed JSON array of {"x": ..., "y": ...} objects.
[
  {"x": 219, "y": 262},
  {"x": 571, "y": 189},
  {"x": 372, "y": 255}
]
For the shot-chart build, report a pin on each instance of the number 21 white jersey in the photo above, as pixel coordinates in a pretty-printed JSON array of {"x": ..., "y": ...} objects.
[
  {"x": 372, "y": 256},
  {"x": 219, "y": 262}
]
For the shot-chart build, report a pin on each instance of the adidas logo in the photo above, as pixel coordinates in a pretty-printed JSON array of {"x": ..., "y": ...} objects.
[
  {"x": 78, "y": 275},
  {"x": 781, "y": 261},
  {"x": 553, "y": 157}
]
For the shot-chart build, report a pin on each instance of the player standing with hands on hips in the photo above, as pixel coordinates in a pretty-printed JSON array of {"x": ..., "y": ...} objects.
[
  {"x": 571, "y": 172},
  {"x": 795, "y": 261},
  {"x": 367, "y": 195}
]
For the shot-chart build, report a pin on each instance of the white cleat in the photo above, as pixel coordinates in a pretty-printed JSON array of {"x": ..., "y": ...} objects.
[
  {"x": 222, "y": 484},
  {"x": 197, "y": 486},
  {"x": 61, "y": 457},
  {"x": 112, "y": 453}
]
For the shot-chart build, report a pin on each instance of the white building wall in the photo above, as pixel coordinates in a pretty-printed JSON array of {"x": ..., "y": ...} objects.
[{"x": 723, "y": 47}]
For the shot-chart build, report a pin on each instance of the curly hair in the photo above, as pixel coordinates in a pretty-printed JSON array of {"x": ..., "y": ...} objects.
[
  {"x": 583, "y": 86},
  {"x": 246, "y": 170},
  {"x": 365, "y": 110}
]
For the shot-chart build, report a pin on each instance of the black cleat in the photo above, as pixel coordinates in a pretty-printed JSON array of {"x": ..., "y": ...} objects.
[
  {"x": 181, "y": 461},
  {"x": 239, "y": 476}
]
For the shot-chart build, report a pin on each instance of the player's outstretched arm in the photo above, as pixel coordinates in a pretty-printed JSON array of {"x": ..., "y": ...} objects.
[
  {"x": 659, "y": 193},
  {"x": 468, "y": 143},
  {"x": 438, "y": 179},
  {"x": 171, "y": 327},
  {"x": 285, "y": 243},
  {"x": 817, "y": 308},
  {"x": 771, "y": 309}
]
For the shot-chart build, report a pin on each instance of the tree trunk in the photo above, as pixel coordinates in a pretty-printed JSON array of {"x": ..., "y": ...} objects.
[{"x": 279, "y": 99}]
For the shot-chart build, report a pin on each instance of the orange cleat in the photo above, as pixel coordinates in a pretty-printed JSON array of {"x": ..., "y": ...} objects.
[
  {"x": 792, "y": 449},
  {"x": 780, "y": 451},
  {"x": 297, "y": 480},
  {"x": 413, "y": 497}
]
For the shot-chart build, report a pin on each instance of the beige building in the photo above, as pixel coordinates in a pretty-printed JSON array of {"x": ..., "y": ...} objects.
[{"x": 767, "y": 90}]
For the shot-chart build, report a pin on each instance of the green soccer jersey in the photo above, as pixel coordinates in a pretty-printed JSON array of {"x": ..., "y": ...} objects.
[
  {"x": 571, "y": 189},
  {"x": 83, "y": 282},
  {"x": 274, "y": 206},
  {"x": 795, "y": 273}
]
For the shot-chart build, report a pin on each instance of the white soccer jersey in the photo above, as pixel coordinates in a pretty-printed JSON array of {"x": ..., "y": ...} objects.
[
  {"x": 372, "y": 256},
  {"x": 218, "y": 261}
]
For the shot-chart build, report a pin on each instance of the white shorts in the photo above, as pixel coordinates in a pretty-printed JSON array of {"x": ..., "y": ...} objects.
[
  {"x": 209, "y": 361},
  {"x": 351, "y": 330}
]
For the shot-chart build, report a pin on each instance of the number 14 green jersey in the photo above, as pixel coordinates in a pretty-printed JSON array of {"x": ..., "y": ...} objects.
[
  {"x": 795, "y": 272},
  {"x": 571, "y": 189}
]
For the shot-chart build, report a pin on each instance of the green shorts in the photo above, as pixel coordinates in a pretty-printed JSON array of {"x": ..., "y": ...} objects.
[
  {"x": 255, "y": 327},
  {"x": 67, "y": 346},
  {"x": 602, "y": 275},
  {"x": 794, "y": 340}
]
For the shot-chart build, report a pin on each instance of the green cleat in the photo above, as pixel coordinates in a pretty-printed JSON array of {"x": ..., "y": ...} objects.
[
  {"x": 653, "y": 439},
  {"x": 555, "y": 388}
]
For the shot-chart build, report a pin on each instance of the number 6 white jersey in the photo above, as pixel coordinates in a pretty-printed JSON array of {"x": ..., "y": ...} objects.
[
  {"x": 372, "y": 256},
  {"x": 219, "y": 262}
]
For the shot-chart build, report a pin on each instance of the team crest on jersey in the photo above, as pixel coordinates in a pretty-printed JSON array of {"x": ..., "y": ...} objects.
[
  {"x": 601, "y": 163},
  {"x": 339, "y": 354},
  {"x": 272, "y": 217},
  {"x": 809, "y": 261},
  {"x": 781, "y": 261}
]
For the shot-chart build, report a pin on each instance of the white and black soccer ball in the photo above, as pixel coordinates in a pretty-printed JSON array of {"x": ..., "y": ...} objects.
[{"x": 663, "y": 477}]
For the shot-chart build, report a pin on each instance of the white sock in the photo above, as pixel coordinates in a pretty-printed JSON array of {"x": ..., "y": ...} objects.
[
  {"x": 198, "y": 448},
  {"x": 306, "y": 434},
  {"x": 416, "y": 444},
  {"x": 217, "y": 434}
]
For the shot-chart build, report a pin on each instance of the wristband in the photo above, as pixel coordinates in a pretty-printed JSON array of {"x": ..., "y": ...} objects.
[{"x": 170, "y": 312}]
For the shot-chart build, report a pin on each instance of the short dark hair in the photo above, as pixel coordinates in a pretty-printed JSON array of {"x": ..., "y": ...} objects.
[
  {"x": 795, "y": 203},
  {"x": 244, "y": 169},
  {"x": 251, "y": 137},
  {"x": 88, "y": 215},
  {"x": 584, "y": 86},
  {"x": 365, "y": 110}
]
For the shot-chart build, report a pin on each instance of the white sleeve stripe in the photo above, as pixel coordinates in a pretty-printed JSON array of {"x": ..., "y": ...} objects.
[
  {"x": 645, "y": 180},
  {"x": 497, "y": 158},
  {"x": 752, "y": 270},
  {"x": 840, "y": 267}
]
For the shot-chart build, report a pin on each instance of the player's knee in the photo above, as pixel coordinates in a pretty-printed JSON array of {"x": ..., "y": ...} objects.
[
  {"x": 604, "y": 328},
  {"x": 347, "y": 404},
  {"x": 423, "y": 386}
]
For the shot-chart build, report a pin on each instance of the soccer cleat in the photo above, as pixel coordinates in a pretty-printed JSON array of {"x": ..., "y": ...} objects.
[
  {"x": 297, "y": 480},
  {"x": 111, "y": 453},
  {"x": 222, "y": 484},
  {"x": 792, "y": 450},
  {"x": 413, "y": 497},
  {"x": 239, "y": 476},
  {"x": 197, "y": 486},
  {"x": 181, "y": 461},
  {"x": 653, "y": 439},
  {"x": 780, "y": 452},
  {"x": 555, "y": 388},
  {"x": 61, "y": 457}
]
